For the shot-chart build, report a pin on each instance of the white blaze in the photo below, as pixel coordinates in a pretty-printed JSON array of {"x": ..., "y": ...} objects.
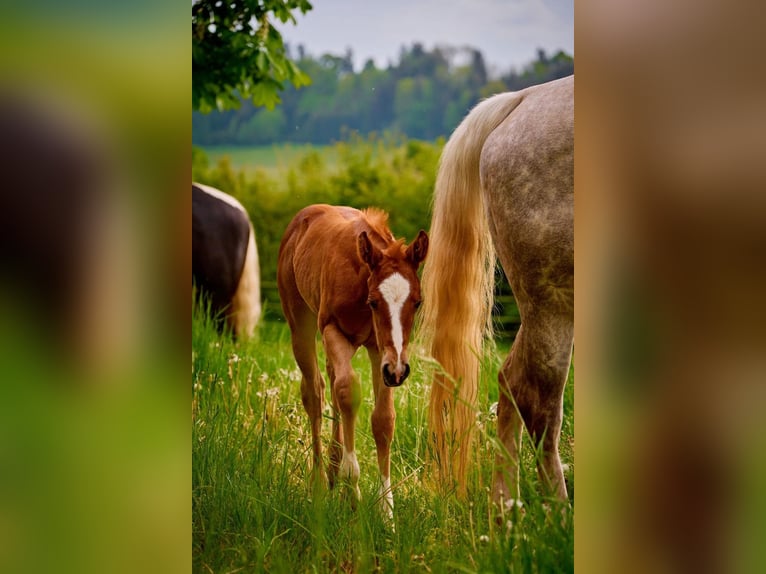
[
  {"x": 395, "y": 289},
  {"x": 386, "y": 498}
]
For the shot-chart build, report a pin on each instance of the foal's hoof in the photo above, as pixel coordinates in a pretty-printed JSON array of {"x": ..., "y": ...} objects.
[
  {"x": 351, "y": 493},
  {"x": 507, "y": 510},
  {"x": 319, "y": 488},
  {"x": 388, "y": 514},
  {"x": 318, "y": 478},
  {"x": 386, "y": 503}
]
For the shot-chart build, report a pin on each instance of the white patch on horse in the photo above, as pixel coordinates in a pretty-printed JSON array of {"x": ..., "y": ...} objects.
[
  {"x": 395, "y": 290},
  {"x": 349, "y": 471},
  {"x": 386, "y": 497},
  {"x": 349, "y": 466},
  {"x": 221, "y": 196}
]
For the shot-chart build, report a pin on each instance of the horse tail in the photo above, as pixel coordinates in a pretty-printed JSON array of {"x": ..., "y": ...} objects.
[
  {"x": 458, "y": 285},
  {"x": 246, "y": 302}
]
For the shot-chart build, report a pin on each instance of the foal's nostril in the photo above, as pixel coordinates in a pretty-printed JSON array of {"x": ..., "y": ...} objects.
[{"x": 389, "y": 377}]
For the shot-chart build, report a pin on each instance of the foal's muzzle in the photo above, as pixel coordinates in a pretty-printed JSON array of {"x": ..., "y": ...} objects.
[{"x": 391, "y": 379}]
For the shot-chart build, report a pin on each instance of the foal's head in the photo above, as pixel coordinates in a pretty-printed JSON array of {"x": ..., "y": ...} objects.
[{"x": 393, "y": 296}]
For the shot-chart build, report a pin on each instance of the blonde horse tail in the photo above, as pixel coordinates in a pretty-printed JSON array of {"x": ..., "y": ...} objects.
[
  {"x": 458, "y": 285},
  {"x": 246, "y": 302}
]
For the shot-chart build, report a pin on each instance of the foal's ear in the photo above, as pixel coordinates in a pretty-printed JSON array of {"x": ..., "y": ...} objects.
[
  {"x": 418, "y": 249},
  {"x": 368, "y": 253}
]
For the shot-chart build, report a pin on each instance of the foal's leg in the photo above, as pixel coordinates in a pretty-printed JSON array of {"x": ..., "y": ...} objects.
[
  {"x": 346, "y": 396},
  {"x": 336, "y": 443},
  {"x": 383, "y": 425},
  {"x": 303, "y": 327}
]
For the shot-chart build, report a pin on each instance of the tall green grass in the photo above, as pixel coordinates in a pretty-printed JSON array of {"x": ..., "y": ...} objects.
[{"x": 254, "y": 510}]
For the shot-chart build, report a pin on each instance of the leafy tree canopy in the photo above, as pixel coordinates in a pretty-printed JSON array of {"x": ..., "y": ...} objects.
[{"x": 237, "y": 53}]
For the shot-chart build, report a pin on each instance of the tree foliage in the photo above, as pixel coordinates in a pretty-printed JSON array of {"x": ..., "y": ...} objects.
[
  {"x": 237, "y": 54},
  {"x": 423, "y": 96}
]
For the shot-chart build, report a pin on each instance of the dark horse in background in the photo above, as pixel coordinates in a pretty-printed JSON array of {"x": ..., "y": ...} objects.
[
  {"x": 225, "y": 259},
  {"x": 505, "y": 185}
]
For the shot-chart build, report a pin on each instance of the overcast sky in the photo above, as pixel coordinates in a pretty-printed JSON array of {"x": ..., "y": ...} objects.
[{"x": 508, "y": 32}]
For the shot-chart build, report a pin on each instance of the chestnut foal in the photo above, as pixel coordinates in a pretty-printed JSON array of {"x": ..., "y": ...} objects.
[{"x": 341, "y": 272}]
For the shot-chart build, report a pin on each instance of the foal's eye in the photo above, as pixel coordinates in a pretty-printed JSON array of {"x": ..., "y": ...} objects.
[
  {"x": 417, "y": 304},
  {"x": 373, "y": 304}
]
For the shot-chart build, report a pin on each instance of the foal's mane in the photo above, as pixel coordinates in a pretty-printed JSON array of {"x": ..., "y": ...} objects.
[{"x": 378, "y": 221}]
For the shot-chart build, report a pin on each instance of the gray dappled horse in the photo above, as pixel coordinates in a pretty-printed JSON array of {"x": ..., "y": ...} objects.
[{"x": 505, "y": 185}]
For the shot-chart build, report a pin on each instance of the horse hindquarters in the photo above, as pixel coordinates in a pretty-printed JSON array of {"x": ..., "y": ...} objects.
[
  {"x": 533, "y": 376},
  {"x": 246, "y": 302},
  {"x": 224, "y": 258},
  {"x": 527, "y": 173}
]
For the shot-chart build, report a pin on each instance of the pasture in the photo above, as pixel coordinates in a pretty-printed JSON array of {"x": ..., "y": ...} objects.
[
  {"x": 253, "y": 509},
  {"x": 271, "y": 159}
]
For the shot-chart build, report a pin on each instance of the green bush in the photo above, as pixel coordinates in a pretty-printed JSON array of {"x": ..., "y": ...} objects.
[
  {"x": 388, "y": 172},
  {"x": 373, "y": 171}
]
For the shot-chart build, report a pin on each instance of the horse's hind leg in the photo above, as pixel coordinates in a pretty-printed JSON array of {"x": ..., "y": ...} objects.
[
  {"x": 534, "y": 377},
  {"x": 547, "y": 368},
  {"x": 509, "y": 427}
]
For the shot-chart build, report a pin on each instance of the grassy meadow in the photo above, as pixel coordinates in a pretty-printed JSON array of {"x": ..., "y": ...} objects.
[{"x": 254, "y": 510}]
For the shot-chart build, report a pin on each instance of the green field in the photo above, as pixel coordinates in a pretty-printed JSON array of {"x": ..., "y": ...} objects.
[
  {"x": 253, "y": 509},
  {"x": 273, "y": 159}
]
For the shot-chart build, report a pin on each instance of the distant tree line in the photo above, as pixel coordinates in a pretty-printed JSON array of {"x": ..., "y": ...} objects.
[{"x": 423, "y": 96}]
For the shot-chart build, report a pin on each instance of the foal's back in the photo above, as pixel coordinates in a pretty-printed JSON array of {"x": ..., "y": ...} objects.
[
  {"x": 319, "y": 268},
  {"x": 320, "y": 236}
]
